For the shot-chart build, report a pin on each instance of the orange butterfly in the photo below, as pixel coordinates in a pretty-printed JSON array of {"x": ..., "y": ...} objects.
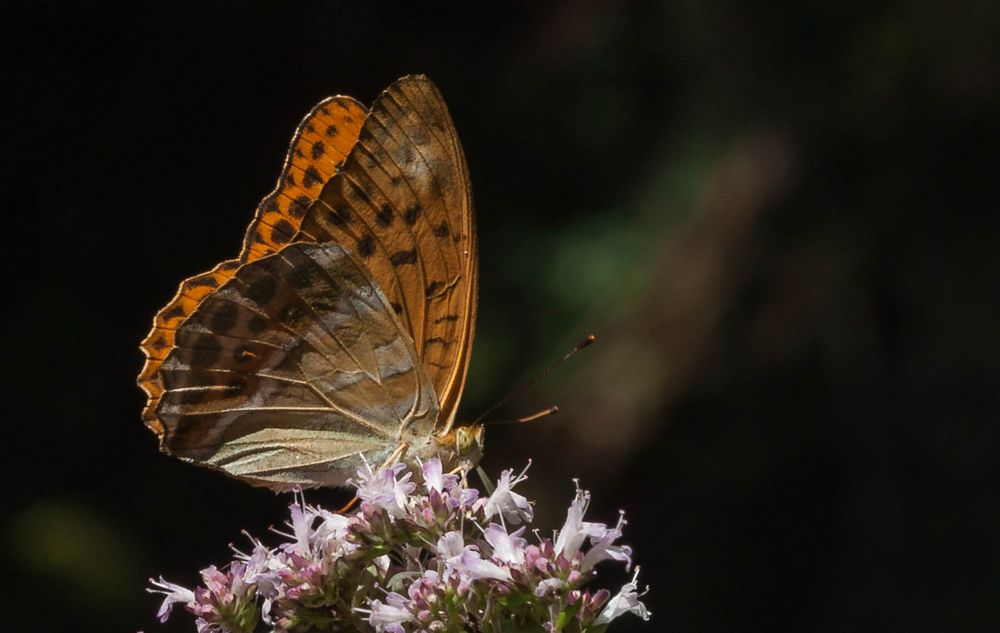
[{"x": 344, "y": 328}]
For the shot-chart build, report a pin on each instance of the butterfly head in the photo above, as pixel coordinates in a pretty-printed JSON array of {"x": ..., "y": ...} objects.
[{"x": 464, "y": 445}]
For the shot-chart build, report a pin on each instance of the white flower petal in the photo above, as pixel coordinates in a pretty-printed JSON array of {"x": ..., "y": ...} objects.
[
  {"x": 508, "y": 548},
  {"x": 627, "y": 601},
  {"x": 514, "y": 507},
  {"x": 433, "y": 477},
  {"x": 173, "y": 593},
  {"x": 389, "y": 615},
  {"x": 450, "y": 544}
]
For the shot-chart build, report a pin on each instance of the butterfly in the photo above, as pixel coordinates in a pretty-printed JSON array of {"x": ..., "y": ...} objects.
[{"x": 341, "y": 333}]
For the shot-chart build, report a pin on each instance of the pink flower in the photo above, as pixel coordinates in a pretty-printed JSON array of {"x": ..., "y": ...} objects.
[
  {"x": 510, "y": 505},
  {"x": 414, "y": 559},
  {"x": 602, "y": 547},
  {"x": 508, "y": 548},
  {"x": 390, "y": 615},
  {"x": 174, "y": 593},
  {"x": 467, "y": 561},
  {"x": 302, "y": 529},
  {"x": 383, "y": 490},
  {"x": 434, "y": 479},
  {"x": 575, "y": 530},
  {"x": 472, "y": 567}
]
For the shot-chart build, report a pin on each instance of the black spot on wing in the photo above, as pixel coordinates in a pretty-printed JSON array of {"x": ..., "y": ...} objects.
[
  {"x": 412, "y": 213},
  {"x": 173, "y": 313},
  {"x": 331, "y": 130},
  {"x": 223, "y": 318},
  {"x": 441, "y": 230},
  {"x": 311, "y": 177},
  {"x": 203, "y": 281},
  {"x": 403, "y": 257},
  {"x": 261, "y": 290},
  {"x": 282, "y": 231},
  {"x": 299, "y": 206},
  {"x": 256, "y": 323},
  {"x": 366, "y": 246},
  {"x": 318, "y": 149},
  {"x": 271, "y": 204},
  {"x": 432, "y": 288},
  {"x": 302, "y": 277},
  {"x": 384, "y": 215}
]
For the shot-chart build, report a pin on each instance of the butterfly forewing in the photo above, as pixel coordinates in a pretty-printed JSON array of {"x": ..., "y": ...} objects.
[
  {"x": 401, "y": 205},
  {"x": 290, "y": 370}
]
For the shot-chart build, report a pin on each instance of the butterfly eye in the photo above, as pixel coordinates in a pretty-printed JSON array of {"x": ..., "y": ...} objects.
[{"x": 463, "y": 440}]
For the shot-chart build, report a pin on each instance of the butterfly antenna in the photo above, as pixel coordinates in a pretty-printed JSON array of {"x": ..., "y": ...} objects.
[
  {"x": 528, "y": 418},
  {"x": 530, "y": 383}
]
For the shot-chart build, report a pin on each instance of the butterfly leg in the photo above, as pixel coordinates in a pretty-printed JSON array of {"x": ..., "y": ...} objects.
[
  {"x": 458, "y": 470},
  {"x": 396, "y": 456},
  {"x": 350, "y": 504}
]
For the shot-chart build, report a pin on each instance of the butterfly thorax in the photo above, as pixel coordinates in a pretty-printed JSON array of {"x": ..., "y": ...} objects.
[{"x": 461, "y": 447}]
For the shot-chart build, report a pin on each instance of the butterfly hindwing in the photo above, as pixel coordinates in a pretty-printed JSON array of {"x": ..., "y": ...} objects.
[
  {"x": 401, "y": 204},
  {"x": 318, "y": 148},
  {"x": 291, "y": 369}
]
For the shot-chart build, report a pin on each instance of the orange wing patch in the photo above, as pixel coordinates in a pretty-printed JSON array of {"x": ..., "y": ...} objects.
[
  {"x": 318, "y": 149},
  {"x": 161, "y": 338}
]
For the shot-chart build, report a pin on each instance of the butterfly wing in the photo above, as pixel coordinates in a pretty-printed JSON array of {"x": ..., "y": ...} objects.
[
  {"x": 290, "y": 370},
  {"x": 318, "y": 148},
  {"x": 401, "y": 204}
]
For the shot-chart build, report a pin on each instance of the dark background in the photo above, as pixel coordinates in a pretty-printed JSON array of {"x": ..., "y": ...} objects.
[{"x": 780, "y": 218}]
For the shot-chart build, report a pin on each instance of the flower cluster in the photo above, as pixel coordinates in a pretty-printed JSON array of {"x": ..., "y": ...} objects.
[{"x": 426, "y": 555}]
